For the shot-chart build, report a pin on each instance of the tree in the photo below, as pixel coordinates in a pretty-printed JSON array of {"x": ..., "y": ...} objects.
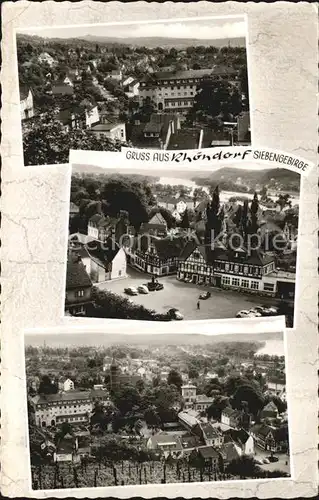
[
  {"x": 214, "y": 99},
  {"x": 253, "y": 397},
  {"x": 126, "y": 398},
  {"x": 199, "y": 194},
  {"x": 48, "y": 386},
  {"x": 130, "y": 196},
  {"x": 151, "y": 417},
  {"x": 214, "y": 217},
  {"x": 185, "y": 220},
  {"x": 193, "y": 373},
  {"x": 46, "y": 142},
  {"x": 284, "y": 201},
  {"x": 174, "y": 378},
  {"x": 243, "y": 467},
  {"x": 215, "y": 409}
]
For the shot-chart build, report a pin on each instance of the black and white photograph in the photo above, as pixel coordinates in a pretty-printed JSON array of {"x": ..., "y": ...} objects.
[
  {"x": 176, "y": 84},
  {"x": 165, "y": 245},
  {"x": 116, "y": 409}
]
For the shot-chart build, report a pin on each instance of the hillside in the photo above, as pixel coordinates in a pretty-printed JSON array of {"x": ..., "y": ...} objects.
[
  {"x": 150, "y": 42},
  {"x": 287, "y": 178}
]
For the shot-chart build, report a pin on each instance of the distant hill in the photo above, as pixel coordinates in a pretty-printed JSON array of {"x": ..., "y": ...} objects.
[
  {"x": 251, "y": 177},
  {"x": 150, "y": 42},
  {"x": 163, "y": 42}
]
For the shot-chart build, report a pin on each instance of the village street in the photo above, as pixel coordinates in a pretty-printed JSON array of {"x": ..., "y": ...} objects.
[{"x": 184, "y": 297}]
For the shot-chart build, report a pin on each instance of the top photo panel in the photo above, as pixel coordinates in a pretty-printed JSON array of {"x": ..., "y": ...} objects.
[{"x": 157, "y": 85}]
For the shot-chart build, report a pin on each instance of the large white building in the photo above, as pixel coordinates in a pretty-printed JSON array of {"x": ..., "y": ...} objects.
[
  {"x": 70, "y": 406},
  {"x": 176, "y": 90}
]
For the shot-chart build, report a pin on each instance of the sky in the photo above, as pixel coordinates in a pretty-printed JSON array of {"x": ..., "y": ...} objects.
[
  {"x": 213, "y": 28},
  {"x": 98, "y": 339}
]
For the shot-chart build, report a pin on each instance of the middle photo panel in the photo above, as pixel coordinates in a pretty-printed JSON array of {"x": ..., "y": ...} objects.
[{"x": 165, "y": 245}]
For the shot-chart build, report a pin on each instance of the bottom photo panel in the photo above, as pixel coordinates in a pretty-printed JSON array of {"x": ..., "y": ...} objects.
[{"x": 115, "y": 409}]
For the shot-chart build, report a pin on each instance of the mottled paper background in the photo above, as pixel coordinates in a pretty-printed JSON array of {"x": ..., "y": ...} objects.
[{"x": 282, "y": 67}]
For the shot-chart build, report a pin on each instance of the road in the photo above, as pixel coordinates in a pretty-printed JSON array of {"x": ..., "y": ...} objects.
[{"x": 184, "y": 296}]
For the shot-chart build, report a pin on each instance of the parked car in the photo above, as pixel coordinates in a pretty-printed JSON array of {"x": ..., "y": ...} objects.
[
  {"x": 205, "y": 295},
  {"x": 247, "y": 314},
  {"x": 188, "y": 280},
  {"x": 159, "y": 286},
  {"x": 142, "y": 289},
  {"x": 266, "y": 461},
  {"x": 265, "y": 311},
  {"x": 255, "y": 313},
  {"x": 258, "y": 461},
  {"x": 131, "y": 290},
  {"x": 175, "y": 314},
  {"x": 272, "y": 459}
]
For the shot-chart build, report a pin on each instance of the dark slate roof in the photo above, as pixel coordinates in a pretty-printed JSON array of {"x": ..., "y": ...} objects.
[
  {"x": 24, "y": 91},
  {"x": 63, "y": 396},
  {"x": 257, "y": 258},
  {"x": 261, "y": 430},
  {"x": 239, "y": 436},
  {"x": 188, "y": 249},
  {"x": 230, "y": 412},
  {"x": 229, "y": 452},
  {"x": 102, "y": 253},
  {"x": 65, "y": 445},
  {"x": 209, "y": 431},
  {"x": 208, "y": 452},
  {"x": 184, "y": 139},
  {"x": 169, "y": 247},
  {"x": 152, "y": 127},
  {"x": 76, "y": 275}
]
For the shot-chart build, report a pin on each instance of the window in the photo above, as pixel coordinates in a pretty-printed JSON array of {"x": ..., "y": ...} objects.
[
  {"x": 245, "y": 269},
  {"x": 227, "y": 267},
  {"x": 254, "y": 285},
  {"x": 226, "y": 280},
  {"x": 236, "y": 268},
  {"x": 235, "y": 282},
  {"x": 120, "y": 273},
  {"x": 269, "y": 287},
  {"x": 245, "y": 283}
]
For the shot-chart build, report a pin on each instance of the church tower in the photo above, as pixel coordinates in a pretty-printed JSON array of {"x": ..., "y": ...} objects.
[{"x": 114, "y": 375}]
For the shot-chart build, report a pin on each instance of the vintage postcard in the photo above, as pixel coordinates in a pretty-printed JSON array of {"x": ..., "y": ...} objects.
[
  {"x": 167, "y": 85},
  {"x": 163, "y": 245},
  {"x": 125, "y": 410},
  {"x": 159, "y": 252}
]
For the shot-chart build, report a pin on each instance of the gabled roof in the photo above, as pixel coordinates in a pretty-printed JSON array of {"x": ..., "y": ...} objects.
[
  {"x": 261, "y": 430},
  {"x": 24, "y": 92},
  {"x": 230, "y": 452},
  {"x": 270, "y": 407},
  {"x": 73, "y": 207},
  {"x": 66, "y": 445},
  {"x": 209, "y": 432},
  {"x": 76, "y": 275},
  {"x": 158, "y": 219},
  {"x": 63, "y": 396},
  {"x": 169, "y": 247},
  {"x": 208, "y": 452},
  {"x": 229, "y": 412},
  {"x": 102, "y": 253},
  {"x": 166, "y": 439},
  {"x": 238, "y": 435},
  {"x": 189, "y": 248}
]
